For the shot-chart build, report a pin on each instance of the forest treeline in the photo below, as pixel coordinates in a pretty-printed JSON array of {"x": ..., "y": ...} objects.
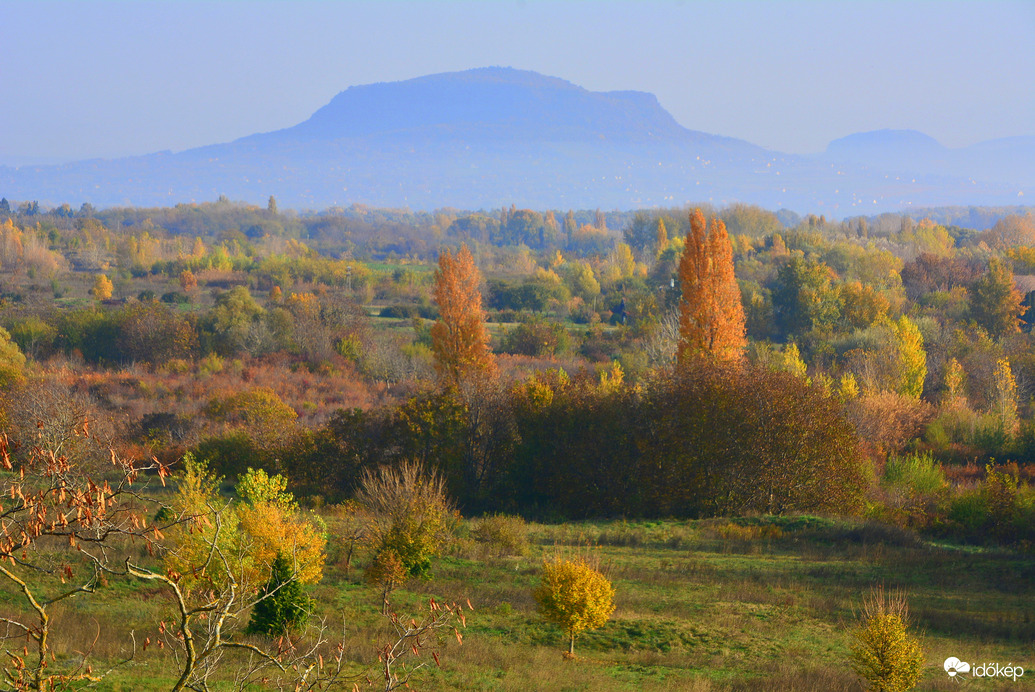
[
  {"x": 309, "y": 345},
  {"x": 714, "y": 440}
]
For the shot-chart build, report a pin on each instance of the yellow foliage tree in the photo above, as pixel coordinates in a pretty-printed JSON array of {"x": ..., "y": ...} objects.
[
  {"x": 459, "y": 340},
  {"x": 11, "y": 245},
  {"x": 885, "y": 655},
  {"x": 711, "y": 316},
  {"x": 188, "y": 282},
  {"x": 259, "y": 411},
  {"x": 575, "y": 596},
  {"x": 1004, "y": 397},
  {"x": 955, "y": 379},
  {"x": 206, "y": 549},
  {"x": 793, "y": 363},
  {"x": 215, "y": 543},
  {"x": 12, "y": 361},
  {"x": 612, "y": 379},
  {"x": 912, "y": 359},
  {"x": 271, "y": 519},
  {"x": 848, "y": 387},
  {"x": 862, "y": 305},
  {"x": 102, "y": 287},
  {"x": 661, "y": 238}
]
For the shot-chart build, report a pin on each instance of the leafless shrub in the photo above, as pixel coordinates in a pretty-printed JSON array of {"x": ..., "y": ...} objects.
[{"x": 408, "y": 515}]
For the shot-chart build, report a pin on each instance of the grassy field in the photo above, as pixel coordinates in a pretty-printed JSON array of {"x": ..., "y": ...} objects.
[{"x": 747, "y": 604}]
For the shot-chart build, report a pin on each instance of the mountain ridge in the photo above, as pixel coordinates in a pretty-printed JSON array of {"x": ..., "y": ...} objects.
[
  {"x": 522, "y": 101},
  {"x": 490, "y": 137}
]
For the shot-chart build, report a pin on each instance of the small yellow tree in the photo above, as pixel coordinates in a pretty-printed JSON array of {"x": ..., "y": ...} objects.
[
  {"x": 575, "y": 596},
  {"x": 102, "y": 287},
  {"x": 385, "y": 573},
  {"x": 848, "y": 387},
  {"x": 955, "y": 379},
  {"x": 661, "y": 239},
  {"x": 793, "y": 363},
  {"x": 202, "y": 534},
  {"x": 188, "y": 282},
  {"x": 884, "y": 654},
  {"x": 1004, "y": 397},
  {"x": 271, "y": 519}
]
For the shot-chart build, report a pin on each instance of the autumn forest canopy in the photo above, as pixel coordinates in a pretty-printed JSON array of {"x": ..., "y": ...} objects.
[
  {"x": 319, "y": 345},
  {"x": 260, "y": 338}
]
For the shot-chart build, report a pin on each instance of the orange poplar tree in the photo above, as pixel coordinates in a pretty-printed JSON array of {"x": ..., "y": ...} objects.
[
  {"x": 459, "y": 340},
  {"x": 711, "y": 317}
]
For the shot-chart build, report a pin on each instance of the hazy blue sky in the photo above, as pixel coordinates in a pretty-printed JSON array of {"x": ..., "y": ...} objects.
[{"x": 83, "y": 79}]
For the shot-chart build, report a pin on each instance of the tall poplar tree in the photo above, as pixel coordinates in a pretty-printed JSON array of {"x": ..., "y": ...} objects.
[
  {"x": 1004, "y": 398},
  {"x": 912, "y": 359},
  {"x": 570, "y": 226},
  {"x": 661, "y": 238},
  {"x": 459, "y": 340},
  {"x": 711, "y": 317}
]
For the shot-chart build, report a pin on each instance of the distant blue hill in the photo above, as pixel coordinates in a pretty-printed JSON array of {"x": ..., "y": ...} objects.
[
  {"x": 882, "y": 146},
  {"x": 1009, "y": 161},
  {"x": 495, "y": 136},
  {"x": 488, "y": 104}
]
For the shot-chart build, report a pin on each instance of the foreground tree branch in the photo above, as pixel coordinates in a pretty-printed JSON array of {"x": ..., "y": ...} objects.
[{"x": 59, "y": 520}]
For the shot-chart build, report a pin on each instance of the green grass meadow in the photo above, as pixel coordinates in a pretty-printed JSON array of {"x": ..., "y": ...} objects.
[{"x": 766, "y": 603}]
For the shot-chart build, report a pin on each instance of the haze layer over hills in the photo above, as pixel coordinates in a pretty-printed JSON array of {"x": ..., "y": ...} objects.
[{"x": 495, "y": 136}]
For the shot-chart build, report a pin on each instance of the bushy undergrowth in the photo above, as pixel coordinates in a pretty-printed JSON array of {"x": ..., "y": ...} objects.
[
  {"x": 915, "y": 493},
  {"x": 501, "y": 535},
  {"x": 916, "y": 473},
  {"x": 1001, "y": 509}
]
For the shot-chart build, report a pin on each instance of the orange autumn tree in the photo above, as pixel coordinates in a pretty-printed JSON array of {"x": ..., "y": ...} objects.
[
  {"x": 459, "y": 340},
  {"x": 711, "y": 317}
]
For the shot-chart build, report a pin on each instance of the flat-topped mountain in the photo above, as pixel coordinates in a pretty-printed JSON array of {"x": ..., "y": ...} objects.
[
  {"x": 488, "y": 103},
  {"x": 495, "y": 136}
]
